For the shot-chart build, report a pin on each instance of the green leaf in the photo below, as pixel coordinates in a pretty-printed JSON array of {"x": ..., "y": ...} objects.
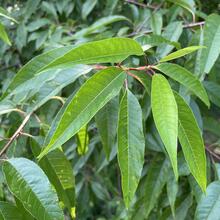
[
  {"x": 4, "y": 35},
  {"x": 131, "y": 145},
  {"x": 102, "y": 22},
  {"x": 87, "y": 7},
  {"x": 31, "y": 186},
  {"x": 212, "y": 42},
  {"x": 9, "y": 212},
  {"x": 91, "y": 97},
  {"x": 148, "y": 41},
  {"x": 111, "y": 50},
  {"x": 213, "y": 90},
  {"x": 209, "y": 205},
  {"x": 54, "y": 84},
  {"x": 83, "y": 141},
  {"x": 59, "y": 171},
  {"x": 188, "y": 5},
  {"x": 191, "y": 141},
  {"x": 180, "y": 53},
  {"x": 186, "y": 78},
  {"x": 156, "y": 22},
  {"x": 106, "y": 120},
  {"x": 172, "y": 190},
  {"x": 172, "y": 32},
  {"x": 34, "y": 66},
  {"x": 165, "y": 114},
  {"x": 153, "y": 185}
]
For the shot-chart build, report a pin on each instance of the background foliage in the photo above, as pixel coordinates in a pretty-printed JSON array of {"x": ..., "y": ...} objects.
[{"x": 85, "y": 172}]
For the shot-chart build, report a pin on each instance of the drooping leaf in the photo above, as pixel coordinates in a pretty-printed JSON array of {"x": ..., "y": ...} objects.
[
  {"x": 59, "y": 171},
  {"x": 111, "y": 50},
  {"x": 211, "y": 42},
  {"x": 131, "y": 145},
  {"x": 4, "y": 35},
  {"x": 213, "y": 90},
  {"x": 191, "y": 141},
  {"x": 153, "y": 185},
  {"x": 172, "y": 32},
  {"x": 91, "y": 97},
  {"x": 9, "y": 211},
  {"x": 83, "y": 141},
  {"x": 31, "y": 186},
  {"x": 165, "y": 114},
  {"x": 180, "y": 53},
  {"x": 209, "y": 205},
  {"x": 106, "y": 120},
  {"x": 186, "y": 78}
]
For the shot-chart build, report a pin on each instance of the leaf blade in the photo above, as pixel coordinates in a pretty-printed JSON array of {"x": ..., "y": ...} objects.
[
  {"x": 91, "y": 97},
  {"x": 186, "y": 78},
  {"x": 130, "y": 145},
  {"x": 165, "y": 114},
  {"x": 20, "y": 171}
]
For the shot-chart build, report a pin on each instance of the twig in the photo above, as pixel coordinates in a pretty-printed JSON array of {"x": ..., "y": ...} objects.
[
  {"x": 190, "y": 25},
  {"x": 15, "y": 135},
  {"x": 216, "y": 156},
  {"x": 140, "y": 4}
]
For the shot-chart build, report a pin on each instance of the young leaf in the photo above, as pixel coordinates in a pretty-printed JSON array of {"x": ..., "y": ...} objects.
[
  {"x": 172, "y": 32},
  {"x": 153, "y": 185},
  {"x": 31, "y": 186},
  {"x": 91, "y": 97},
  {"x": 180, "y": 53},
  {"x": 106, "y": 120},
  {"x": 209, "y": 205},
  {"x": 211, "y": 42},
  {"x": 165, "y": 114},
  {"x": 112, "y": 50},
  {"x": 83, "y": 141},
  {"x": 156, "y": 22},
  {"x": 191, "y": 141},
  {"x": 59, "y": 171},
  {"x": 186, "y": 78},
  {"x": 131, "y": 145},
  {"x": 9, "y": 211}
]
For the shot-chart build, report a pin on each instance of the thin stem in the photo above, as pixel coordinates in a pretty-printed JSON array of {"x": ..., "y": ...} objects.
[
  {"x": 190, "y": 25},
  {"x": 15, "y": 135},
  {"x": 216, "y": 156},
  {"x": 141, "y": 4}
]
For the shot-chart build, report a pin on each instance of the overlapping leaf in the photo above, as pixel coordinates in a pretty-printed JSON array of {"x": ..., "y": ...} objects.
[
  {"x": 9, "y": 212},
  {"x": 31, "y": 186},
  {"x": 91, "y": 97},
  {"x": 106, "y": 120}
]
